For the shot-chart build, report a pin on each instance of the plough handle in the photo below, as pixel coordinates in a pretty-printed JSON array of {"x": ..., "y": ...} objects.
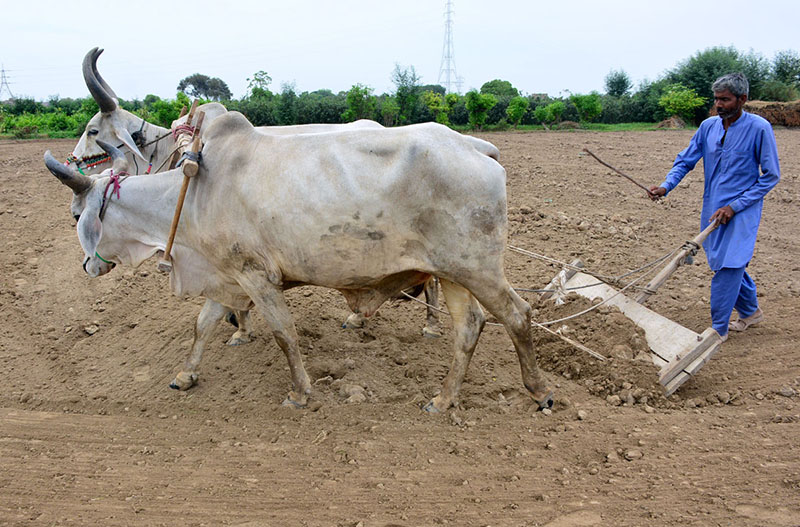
[{"x": 673, "y": 264}]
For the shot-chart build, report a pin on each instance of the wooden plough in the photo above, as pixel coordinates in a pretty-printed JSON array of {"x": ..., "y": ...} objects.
[{"x": 677, "y": 351}]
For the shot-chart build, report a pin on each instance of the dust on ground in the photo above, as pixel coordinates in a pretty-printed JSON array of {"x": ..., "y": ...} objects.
[{"x": 90, "y": 433}]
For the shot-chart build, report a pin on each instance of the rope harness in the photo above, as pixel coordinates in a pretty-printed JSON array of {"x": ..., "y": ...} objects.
[
  {"x": 114, "y": 183},
  {"x": 182, "y": 135}
]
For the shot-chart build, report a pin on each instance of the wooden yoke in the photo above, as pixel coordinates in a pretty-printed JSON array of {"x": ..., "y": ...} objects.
[
  {"x": 184, "y": 139},
  {"x": 190, "y": 168}
]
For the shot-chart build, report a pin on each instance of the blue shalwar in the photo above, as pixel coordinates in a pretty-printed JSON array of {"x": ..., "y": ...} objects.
[{"x": 731, "y": 163}]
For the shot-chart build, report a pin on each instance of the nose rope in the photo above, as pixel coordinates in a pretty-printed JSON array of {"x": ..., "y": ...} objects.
[{"x": 114, "y": 183}]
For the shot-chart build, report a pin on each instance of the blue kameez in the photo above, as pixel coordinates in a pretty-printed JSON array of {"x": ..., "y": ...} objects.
[
  {"x": 732, "y": 177},
  {"x": 731, "y": 164}
]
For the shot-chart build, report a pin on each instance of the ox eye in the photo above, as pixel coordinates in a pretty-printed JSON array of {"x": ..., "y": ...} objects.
[
  {"x": 76, "y": 216},
  {"x": 93, "y": 132}
]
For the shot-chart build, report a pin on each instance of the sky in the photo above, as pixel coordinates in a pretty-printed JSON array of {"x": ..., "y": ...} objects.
[{"x": 540, "y": 47}]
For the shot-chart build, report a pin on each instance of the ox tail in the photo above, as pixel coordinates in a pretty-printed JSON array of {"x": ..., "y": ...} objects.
[{"x": 484, "y": 147}]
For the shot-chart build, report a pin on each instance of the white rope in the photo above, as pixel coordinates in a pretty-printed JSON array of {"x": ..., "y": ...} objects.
[
  {"x": 584, "y": 270},
  {"x": 533, "y": 322}
]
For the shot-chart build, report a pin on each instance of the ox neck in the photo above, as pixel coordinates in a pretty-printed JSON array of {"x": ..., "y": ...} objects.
[{"x": 142, "y": 208}]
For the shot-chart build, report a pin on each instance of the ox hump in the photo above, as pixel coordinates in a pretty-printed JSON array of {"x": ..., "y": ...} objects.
[{"x": 227, "y": 124}]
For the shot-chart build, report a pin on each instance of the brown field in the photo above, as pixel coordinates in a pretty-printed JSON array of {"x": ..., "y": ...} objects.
[{"x": 90, "y": 433}]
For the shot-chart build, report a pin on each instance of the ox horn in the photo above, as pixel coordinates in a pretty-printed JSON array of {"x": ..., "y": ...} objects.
[
  {"x": 104, "y": 99},
  {"x": 118, "y": 158},
  {"x": 97, "y": 75},
  {"x": 77, "y": 182}
]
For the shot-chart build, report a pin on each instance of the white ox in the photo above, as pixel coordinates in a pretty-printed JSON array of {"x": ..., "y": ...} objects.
[
  {"x": 367, "y": 212},
  {"x": 149, "y": 145}
]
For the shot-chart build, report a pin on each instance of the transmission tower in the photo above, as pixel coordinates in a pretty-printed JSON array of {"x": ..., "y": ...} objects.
[
  {"x": 447, "y": 68},
  {"x": 4, "y": 84}
]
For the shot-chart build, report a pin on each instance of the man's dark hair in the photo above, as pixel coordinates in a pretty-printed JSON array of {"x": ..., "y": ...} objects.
[{"x": 736, "y": 83}]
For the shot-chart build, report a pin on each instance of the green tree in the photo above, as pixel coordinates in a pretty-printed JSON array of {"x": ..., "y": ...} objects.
[
  {"x": 786, "y": 67},
  {"x": 360, "y": 103},
  {"x": 478, "y": 105},
  {"x": 440, "y": 105},
  {"x": 618, "y": 83},
  {"x": 287, "y": 107},
  {"x": 589, "y": 106},
  {"x": 550, "y": 114},
  {"x": 389, "y": 110},
  {"x": 702, "y": 69},
  {"x": 435, "y": 88},
  {"x": 775, "y": 90},
  {"x": 681, "y": 101},
  {"x": 406, "y": 94},
  {"x": 199, "y": 85},
  {"x": 757, "y": 69},
  {"x": 516, "y": 109},
  {"x": 499, "y": 88},
  {"x": 258, "y": 84}
]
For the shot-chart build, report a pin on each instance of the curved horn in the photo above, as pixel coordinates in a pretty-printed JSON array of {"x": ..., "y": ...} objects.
[
  {"x": 103, "y": 98},
  {"x": 103, "y": 83},
  {"x": 77, "y": 182},
  {"x": 120, "y": 163}
]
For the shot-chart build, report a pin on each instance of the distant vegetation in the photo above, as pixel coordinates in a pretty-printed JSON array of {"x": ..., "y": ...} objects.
[{"x": 684, "y": 90}]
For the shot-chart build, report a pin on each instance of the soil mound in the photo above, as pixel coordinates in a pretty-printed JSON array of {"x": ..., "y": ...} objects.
[
  {"x": 673, "y": 123},
  {"x": 777, "y": 113},
  {"x": 568, "y": 125},
  {"x": 628, "y": 371}
]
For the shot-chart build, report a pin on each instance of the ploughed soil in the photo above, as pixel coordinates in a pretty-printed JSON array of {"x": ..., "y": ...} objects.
[{"x": 90, "y": 433}]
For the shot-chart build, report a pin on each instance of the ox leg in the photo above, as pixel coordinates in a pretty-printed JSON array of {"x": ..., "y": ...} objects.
[
  {"x": 207, "y": 320},
  {"x": 515, "y": 314},
  {"x": 433, "y": 326},
  {"x": 270, "y": 301},
  {"x": 244, "y": 333},
  {"x": 468, "y": 322}
]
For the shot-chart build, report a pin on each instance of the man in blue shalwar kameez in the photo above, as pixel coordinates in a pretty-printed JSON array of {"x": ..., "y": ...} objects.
[{"x": 733, "y": 145}]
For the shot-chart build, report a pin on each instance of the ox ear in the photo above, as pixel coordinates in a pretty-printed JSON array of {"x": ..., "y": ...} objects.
[
  {"x": 120, "y": 163},
  {"x": 90, "y": 229},
  {"x": 125, "y": 136}
]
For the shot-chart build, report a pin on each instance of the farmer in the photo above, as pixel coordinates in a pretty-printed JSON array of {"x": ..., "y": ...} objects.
[{"x": 733, "y": 196}]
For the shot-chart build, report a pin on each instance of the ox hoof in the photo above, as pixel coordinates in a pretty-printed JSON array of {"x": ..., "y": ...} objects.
[
  {"x": 238, "y": 339},
  {"x": 183, "y": 381},
  {"x": 354, "y": 321},
  {"x": 297, "y": 400},
  {"x": 432, "y": 332},
  {"x": 291, "y": 403},
  {"x": 436, "y": 406},
  {"x": 545, "y": 402},
  {"x": 431, "y": 408}
]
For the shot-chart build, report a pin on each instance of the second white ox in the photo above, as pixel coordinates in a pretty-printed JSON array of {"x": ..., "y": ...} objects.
[{"x": 366, "y": 212}]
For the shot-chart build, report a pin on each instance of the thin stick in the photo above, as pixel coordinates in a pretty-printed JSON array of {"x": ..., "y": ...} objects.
[
  {"x": 165, "y": 264},
  {"x": 649, "y": 194}
]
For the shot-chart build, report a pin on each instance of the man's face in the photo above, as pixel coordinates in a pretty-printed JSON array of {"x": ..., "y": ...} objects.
[{"x": 727, "y": 104}]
